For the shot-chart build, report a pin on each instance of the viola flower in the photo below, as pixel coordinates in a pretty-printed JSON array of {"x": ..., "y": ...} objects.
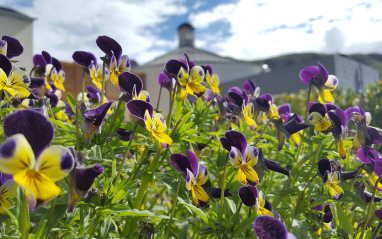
[
  {"x": 25, "y": 155},
  {"x": 318, "y": 117},
  {"x": 156, "y": 125},
  {"x": 287, "y": 127},
  {"x": 113, "y": 50},
  {"x": 247, "y": 112},
  {"x": 320, "y": 78},
  {"x": 264, "y": 165},
  {"x": 328, "y": 216},
  {"x": 10, "y": 47},
  {"x": 212, "y": 79},
  {"x": 81, "y": 179},
  {"x": 7, "y": 190},
  {"x": 57, "y": 74},
  {"x": 89, "y": 62},
  {"x": 192, "y": 80},
  {"x": 241, "y": 156},
  {"x": 331, "y": 178},
  {"x": 13, "y": 83},
  {"x": 132, "y": 85},
  {"x": 251, "y": 89},
  {"x": 362, "y": 193},
  {"x": 45, "y": 64},
  {"x": 92, "y": 119},
  {"x": 196, "y": 175},
  {"x": 339, "y": 121},
  {"x": 250, "y": 197},
  {"x": 267, "y": 227}
]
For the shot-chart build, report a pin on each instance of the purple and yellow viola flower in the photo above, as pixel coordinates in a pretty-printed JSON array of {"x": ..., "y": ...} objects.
[
  {"x": 132, "y": 85},
  {"x": 239, "y": 100},
  {"x": 156, "y": 125},
  {"x": 7, "y": 190},
  {"x": 241, "y": 156},
  {"x": 284, "y": 112},
  {"x": 320, "y": 78},
  {"x": 196, "y": 176},
  {"x": 339, "y": 121},
  {"x": 92, "y": 119},
  {"x": 81, "y": 179},
  {"x": 286, "y": 127},
  {"x": 371, "y": 158},
  {"x": 89, "y": 62},
  {"x": 251, "y": 89},
  {"x": 13, "y": 83},
  {"x": 248, "y": 112},
  {"x": 57, "y": 74},
  {"x": 318, "y": 117},
  {"x": 252, "y": 198},
  {"x": 118, "y": 63},
  {"x": 192, "y": 80},
  {"x": 267, "y": 227},
  {"x": 25, "y": 154},
  {"x": 10, "y": 47},
  {"x": 331, "y": 178},
  {"x": 328, "y": 216},
  {"x": 45, "y": 64},
  {"x": 212, "y": 79}
]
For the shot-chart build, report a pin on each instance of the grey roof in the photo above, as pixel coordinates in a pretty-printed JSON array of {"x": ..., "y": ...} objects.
[
  {"x": 14, "y": 14},
  {"x": 196, "y": 55}
]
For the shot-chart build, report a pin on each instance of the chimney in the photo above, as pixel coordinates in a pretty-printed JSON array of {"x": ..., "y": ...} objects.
[{"x": 186, "y": 35}]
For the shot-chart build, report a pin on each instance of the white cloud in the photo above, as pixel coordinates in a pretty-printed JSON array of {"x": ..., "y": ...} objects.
[{"x": 260, "y": 29}]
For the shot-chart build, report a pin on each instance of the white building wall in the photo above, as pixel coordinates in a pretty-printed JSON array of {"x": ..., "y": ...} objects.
[{"x": 23, "y": 31}]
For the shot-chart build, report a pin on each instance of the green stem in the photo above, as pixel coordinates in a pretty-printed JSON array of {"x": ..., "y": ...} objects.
[
  {"x": 172, "y": 100},
  {"x": 82, "y": 222},
  {"x": 173, "y": 206},
  {"x": 262, "y": 132},
  {"x": 307, "y": 103},
  {"x": 221, "y": 204},
  {"x": 156, "y": 198},
  {"x": 50, "y": 216},
  {"x": 125, "y": 156},
  {"x": 140, "y": 163},
  {"x": 30, "y": 73},
  {"x": 112, "y": 121},
  {"x": 160, "y": 92},
  {"x": 83, "y": 84},
  {"x": 103, "y": 83},
  {"x": 301, "y": 197},
  {"x": 370, "y": 208},
  {"x": 77, "y": 129},
  {"x": 207, "y": 109}
]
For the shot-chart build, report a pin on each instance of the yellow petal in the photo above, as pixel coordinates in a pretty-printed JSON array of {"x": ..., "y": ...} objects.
[
  {"x": 183, "y": 93},
  {"x": 195, "y": 88},
  {"x": 335, "y": 191},
  {"x": 55, "y": 162},
  {"x": 251, "y": 156},
  {"x": 114, "y": 77},
  {"x": 3, "y": 79},
  {"x": 197, "y": 74},
  {"x": 247, "y": 176},
  {"x": 16, "y": 155},
  {"x": 264, "y": 211},
  {"x": 325, "y": 97},
  {"x": 4, "y": 203},
  {"x": 341, "y": 149},
  {"x": 159, "y": 122},
  {"x": 148, "y": 121},
  {"x": 296, "y": 138},
  {"x": 144, "y": 95},
  {"x": 19, "y": 78},
  {"x": 162, "y": 138},
  {"x": 183, "y": 76},
  {"x": 8, "y": 189},
  {"x": 39, "y": 184},
  {"x": 200, "y": 196}
]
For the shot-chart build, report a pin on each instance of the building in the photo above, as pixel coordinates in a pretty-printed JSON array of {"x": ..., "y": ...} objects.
[
  {"x": 19, "y": 26},
  {"x": 284, "y": 77},
  {"x": 228, "y": 69}
]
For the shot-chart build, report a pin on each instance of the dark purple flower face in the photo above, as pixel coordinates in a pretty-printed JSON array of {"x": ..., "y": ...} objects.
[
  {"x": 234, "y": 139},
  {"x": 84, "y": 59},
  {"x": 5, "y": 64},
  {"x": 128, "y": 82},
  {"x": 139, "y": 107},
  {"x": 249, "y": 86},
  {"x": 14, "y": 47},
  {"x": 110, "y": 47},
  {"x": 248, "y": 195},
  {"x": 182, "y": 162},
  {"x": 36, "y": 128},
  {"x": 267, "y": 227}
]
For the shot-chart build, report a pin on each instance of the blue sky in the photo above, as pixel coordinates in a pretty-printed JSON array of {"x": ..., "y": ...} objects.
[{"x": 242, "y": 29}]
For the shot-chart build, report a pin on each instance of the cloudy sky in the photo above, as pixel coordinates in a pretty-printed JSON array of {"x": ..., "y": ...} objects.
[{"x": 243, "y": 29}]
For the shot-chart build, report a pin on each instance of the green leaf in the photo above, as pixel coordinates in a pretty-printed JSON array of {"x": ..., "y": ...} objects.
[
  {"x": 140, "y": 213},
  {"x": 349, "y": 196},
  {"x": 178, "y": 105},
  {"x": 61, "y": 124},
  {"x": 342, "y": 219},
  {"x": 72, "y": 101},
  {"x": 22, "y": 212},
  {"x": 105, "y": 225},
  {"x": 196, "y": 210}
]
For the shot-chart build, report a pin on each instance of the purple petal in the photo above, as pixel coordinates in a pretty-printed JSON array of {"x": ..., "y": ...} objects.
[
  {"x": 336, "y": 123},
  {"x": 93, "y": 93},
  {"x": 53, "y": 99},
  {"x": 5, "y": 64},
  {"x": 266, "y": 227},
  {"x": 14, "y": 46},
  {"x": 368, "y": 197},
  {"x": 324, "y": 165},
  {"x": 328, "y": 217},
  {"x": 39, "y": 60},
  {"x": 249, "y": 86},
  {"x": 309, "y": 74},
  {"x": 330, "y": 106},
  {"x": 163, "y": 80},
  {"x": 109, "y": 46},
  {"x": 367, "y": 155},
  {"x": 268, "y": 97},
  {"x": 284, "y": 109},
  {"x": 292, "y": 127},
  {"x": 268, "y": 205},
  {"x": 85, "y": 176},
  {"x": 181, "y": 163},
  {"x": 235, "y": 89},
  {"x": 139, "y": 107},
  {"x": 208, "y": 68},
  {"x": 248, "y": 195},
  {"x": 173, "y": 67},
  {"x": 234, "y": 138},
  {"x": 127, "y": 81},
  {"x": 318, "y": 107},
  {"x": 323, "y": 72},
  {"x": 84, "y": 59},
  {"x": 349, "y": 175},
  {"x": 275, "y": 167},
  {"x": 69, "y": 110},
  {"x": 37, "y": 83},
  {"x": 47, "y": 57},
  {"x": 262, "y": 104},
  {"x": 342, "y": 116},
  {"x": 378, "y": 167},
  {"x": 97, "y": 115},
  {"x": 216, "y": 192},
  {"x": 193, "y": 161},
  {"x": 57, "y": 64},
  {"x": 375, "y": 136},
  {"x": 236, "y": 98},
  {"x": 378, "y": 213},
  {"x": 36, "y": 128},
  {"x": 4, "y": 177}
]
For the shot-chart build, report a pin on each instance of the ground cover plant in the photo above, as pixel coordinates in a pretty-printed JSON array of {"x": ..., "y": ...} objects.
[{"x": 219, "y": 165}]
